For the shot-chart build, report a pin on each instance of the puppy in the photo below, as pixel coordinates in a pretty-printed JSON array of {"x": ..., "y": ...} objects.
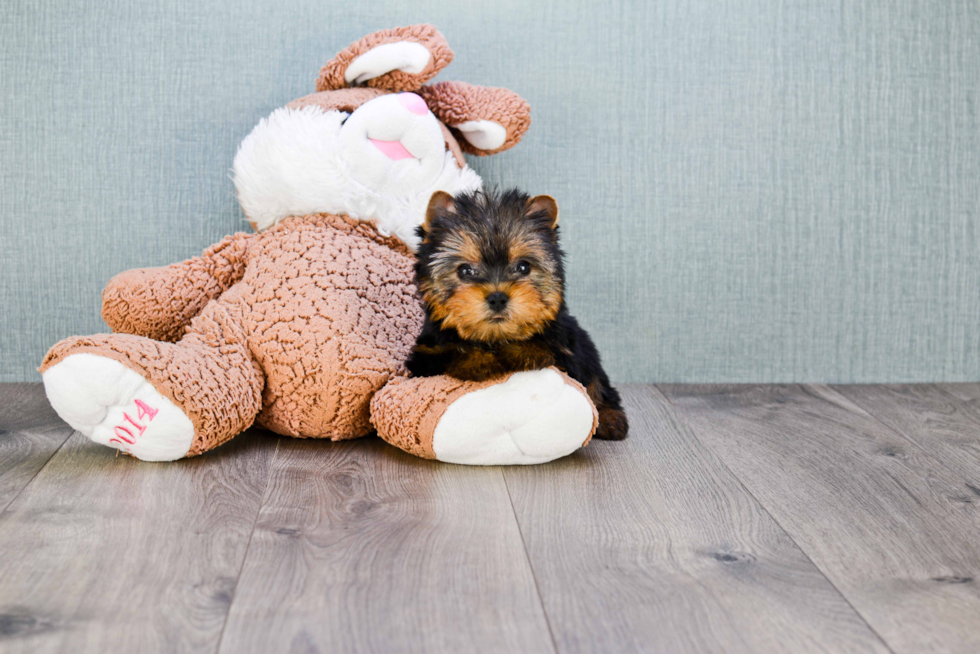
[{"x": 491, "y": 274}]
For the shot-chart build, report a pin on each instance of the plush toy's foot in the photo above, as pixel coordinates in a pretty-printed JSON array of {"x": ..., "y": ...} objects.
[
  {"x": 116, "y": 407},
  {"x": 158, "y": 401},
  {"x": 526, "y": 418}
]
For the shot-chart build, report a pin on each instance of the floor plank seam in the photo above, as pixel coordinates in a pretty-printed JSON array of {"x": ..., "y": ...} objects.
[
  {"x": 34, "y": 476},
  {"x": 530, "y": 566},
  {"x": 923, "y": 451},
  {"x": 959, "y": 401},
  {"x": 679, "y": 416},
  {"x": 248, "y": 545},
  {"x": 874, "y": 416}
]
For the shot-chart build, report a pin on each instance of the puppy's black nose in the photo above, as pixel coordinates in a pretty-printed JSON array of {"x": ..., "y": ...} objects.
[{"x": 497, "y": 301}]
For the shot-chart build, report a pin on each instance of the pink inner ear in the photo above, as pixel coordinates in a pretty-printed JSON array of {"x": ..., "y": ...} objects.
[{"x": 392, "y": 149}]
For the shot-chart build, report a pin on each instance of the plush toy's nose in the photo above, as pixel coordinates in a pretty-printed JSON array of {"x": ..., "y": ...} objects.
[{"x": 413, "y": 103}]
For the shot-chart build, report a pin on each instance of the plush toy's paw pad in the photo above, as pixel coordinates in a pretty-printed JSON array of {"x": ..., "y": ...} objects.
[
  {"x": 533, "y": 417},
  {"x": 114, "y": 406}
]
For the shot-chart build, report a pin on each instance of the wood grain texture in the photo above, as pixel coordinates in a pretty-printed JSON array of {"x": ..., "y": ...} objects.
[
  {"x": 736, "y": 519},
  {"x": 652, "y": 545},
  {"x": 968, "y": 393},
  {"x": 936, "y": 421},
  {"x": 30, "y": 433},
  {"x": 871, "y": 508},
  {"x": 361, "y": 547},
  {"x": 110, "y": 554}
]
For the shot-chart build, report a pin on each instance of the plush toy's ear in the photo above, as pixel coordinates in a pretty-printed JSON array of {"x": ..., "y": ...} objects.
[
  {"x": 547, "y": 204},
  {"x": 439, "y": 202},
  {"x": 489, "y": 120},
  {"x": 400, "y": 59}
]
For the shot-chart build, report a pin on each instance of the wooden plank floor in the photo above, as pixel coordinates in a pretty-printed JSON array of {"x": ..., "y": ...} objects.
[{"x": 735, "y": 519}]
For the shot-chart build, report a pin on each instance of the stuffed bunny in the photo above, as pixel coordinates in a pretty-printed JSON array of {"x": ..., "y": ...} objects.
[{"x": 303, "y": 326}]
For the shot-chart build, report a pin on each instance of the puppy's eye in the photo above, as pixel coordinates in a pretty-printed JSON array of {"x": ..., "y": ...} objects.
[
  {"x": 523, "y": 268},
  {"x": 465, "y": 271}
]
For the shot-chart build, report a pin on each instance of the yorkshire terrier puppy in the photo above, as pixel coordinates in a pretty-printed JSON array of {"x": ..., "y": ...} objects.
[{"x": 492, "y": 279}]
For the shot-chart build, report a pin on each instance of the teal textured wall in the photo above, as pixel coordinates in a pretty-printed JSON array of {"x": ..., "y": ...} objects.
[{"x": 751, "y": 190}]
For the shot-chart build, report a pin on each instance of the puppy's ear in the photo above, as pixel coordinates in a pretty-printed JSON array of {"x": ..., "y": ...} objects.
[
  {"x": 546, "y": 204},
  {"x": 440, "y": 201}
]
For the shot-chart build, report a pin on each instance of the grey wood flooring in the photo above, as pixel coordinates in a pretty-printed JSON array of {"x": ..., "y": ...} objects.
[{"x": 734, "y": 519}]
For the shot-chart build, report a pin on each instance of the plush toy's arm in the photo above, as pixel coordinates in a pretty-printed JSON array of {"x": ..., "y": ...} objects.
[
  {"x": 522, "y": 418},
  {"x": 159, "y": 302}
]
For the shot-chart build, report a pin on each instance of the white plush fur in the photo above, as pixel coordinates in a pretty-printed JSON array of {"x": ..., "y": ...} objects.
[
  {"x": 95, "y": 395},
  {"x": 533, "y": 417},
  {"x": 303, "y": 161},
  {"x": 483, "y": 134},
  {"x": 406, "y": 56}
]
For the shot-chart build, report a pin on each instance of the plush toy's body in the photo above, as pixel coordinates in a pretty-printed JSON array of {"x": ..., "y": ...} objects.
[{"x": 304, "y": 326}]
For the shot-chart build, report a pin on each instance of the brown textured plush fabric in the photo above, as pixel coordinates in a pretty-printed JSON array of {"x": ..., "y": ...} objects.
[
  {"x": 346, "y": 100},
  {"x": 452, "y": 145},
  {"x": 319, "y": 313},
  {"x": 332, "y": 74},
  {"x": 458, "y": 102},
  {"x": 407, "y": 410},
  {"x": 159, "y": 302},
  {"x": 337, "y": 326},
  {"x": 581, "y": 389},
  {"x": 209, "y": 373}
]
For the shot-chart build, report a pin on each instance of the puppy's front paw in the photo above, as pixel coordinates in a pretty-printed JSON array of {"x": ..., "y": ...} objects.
[{"x": 613, "y": 425}]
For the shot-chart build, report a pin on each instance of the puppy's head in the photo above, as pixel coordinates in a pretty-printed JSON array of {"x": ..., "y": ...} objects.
[{"x": 489, "y": 265}]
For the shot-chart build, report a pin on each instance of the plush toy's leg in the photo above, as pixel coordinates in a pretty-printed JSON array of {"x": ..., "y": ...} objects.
[
  {"x": 525, "y": 418},
  {"x": 158, "y": 401}
]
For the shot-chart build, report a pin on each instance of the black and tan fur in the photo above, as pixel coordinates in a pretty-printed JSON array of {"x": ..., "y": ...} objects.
[{"x": 491, "y": 274}]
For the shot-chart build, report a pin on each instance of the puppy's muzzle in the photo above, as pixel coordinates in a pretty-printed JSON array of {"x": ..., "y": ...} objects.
[{"x": 497, "y": 301}]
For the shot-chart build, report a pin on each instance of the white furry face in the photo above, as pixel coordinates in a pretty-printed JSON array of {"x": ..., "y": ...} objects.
[{"x": 380, "y": 163}]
